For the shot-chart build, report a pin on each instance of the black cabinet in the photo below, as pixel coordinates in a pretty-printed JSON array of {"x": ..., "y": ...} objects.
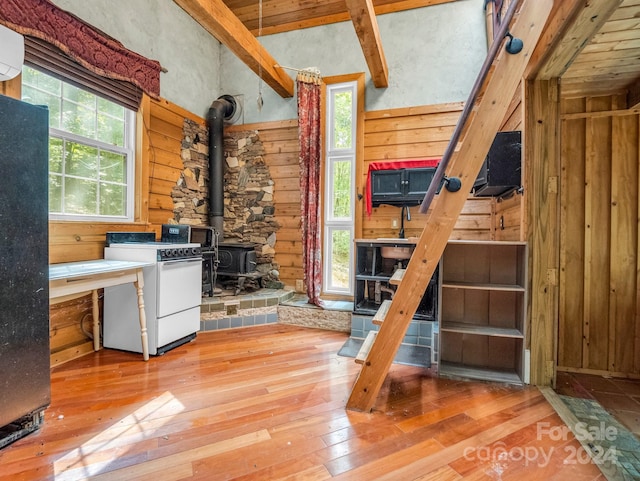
[
  {"x": 400, "y": 186},
  {"x": 376, "y": 262}
]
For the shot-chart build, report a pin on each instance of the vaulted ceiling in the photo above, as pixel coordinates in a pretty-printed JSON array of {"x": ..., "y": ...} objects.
[
  {"x": 237, "y": 23},
  {"x": 600, "y": 55}
]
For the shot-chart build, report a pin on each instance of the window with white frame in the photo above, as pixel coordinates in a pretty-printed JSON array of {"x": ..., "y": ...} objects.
[
  {"x": 339, "y": 206},
  {"x": 91, "y": 150}
]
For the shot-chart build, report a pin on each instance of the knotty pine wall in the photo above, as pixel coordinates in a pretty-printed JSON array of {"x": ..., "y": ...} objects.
[
  {"x": 416, "y": 133},
  {"x": 599, "y": 330},
  {"x": 397, "y": 134}
]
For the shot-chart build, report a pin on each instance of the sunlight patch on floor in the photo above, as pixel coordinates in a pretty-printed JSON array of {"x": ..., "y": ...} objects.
[{"x": 140, "y": 425}]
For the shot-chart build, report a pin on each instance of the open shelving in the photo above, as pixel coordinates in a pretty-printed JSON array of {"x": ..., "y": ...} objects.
[{"x": 482, "y": 310}]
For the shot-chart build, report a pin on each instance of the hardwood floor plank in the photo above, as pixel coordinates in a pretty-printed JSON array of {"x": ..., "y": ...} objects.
[
  {"x": 289, "y": 471},
  {"x": 444, "y": 473},
  {"x": 268, "y": 403},
  {"x": 155, "y": 467},
  {"x": 453, "y": 405}
]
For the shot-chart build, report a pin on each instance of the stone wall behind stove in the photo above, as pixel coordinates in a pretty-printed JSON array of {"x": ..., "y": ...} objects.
[{"x": 248, "y": 192}]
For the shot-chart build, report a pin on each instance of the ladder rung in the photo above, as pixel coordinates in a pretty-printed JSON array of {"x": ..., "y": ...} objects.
[
  {"x": 397, "y": 276},
  {"x": 381, "y": 313},
  {"x": 366, "y": 347}
]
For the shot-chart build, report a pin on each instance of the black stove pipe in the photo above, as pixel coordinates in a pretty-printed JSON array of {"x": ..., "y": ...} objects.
[{"x": 221, "y": 110}]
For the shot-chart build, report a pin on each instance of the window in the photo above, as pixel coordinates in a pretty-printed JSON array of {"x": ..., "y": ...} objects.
[
  {"x": 339, "y": 208},
  {"x": 91, "y": 150}
]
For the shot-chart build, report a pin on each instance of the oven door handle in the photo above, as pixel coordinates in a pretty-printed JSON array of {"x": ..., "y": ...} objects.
[{"x": 181, "y": 261}]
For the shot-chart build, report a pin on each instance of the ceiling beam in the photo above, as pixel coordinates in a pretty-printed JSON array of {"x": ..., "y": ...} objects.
[
  {"x": 572, "y": 26},
  {"x": 217, "y": 19},
  {"x": 281, "y": 21},
  {"x": 364, "y": 20}
]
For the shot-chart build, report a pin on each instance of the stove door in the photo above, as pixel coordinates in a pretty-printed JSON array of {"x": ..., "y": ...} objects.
[{"x": 179, "y": 285}]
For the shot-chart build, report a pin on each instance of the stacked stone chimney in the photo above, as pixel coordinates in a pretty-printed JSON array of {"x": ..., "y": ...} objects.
[{"x": 248, "y": 192}]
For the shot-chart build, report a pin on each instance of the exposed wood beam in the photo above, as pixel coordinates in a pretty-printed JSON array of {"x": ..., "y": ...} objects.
[
  {"x": 280, "y": 18},
  {"x": 577, "y": 21},
  {"x": 364, "y": 21},
  {"x": 219, "y": 21}
]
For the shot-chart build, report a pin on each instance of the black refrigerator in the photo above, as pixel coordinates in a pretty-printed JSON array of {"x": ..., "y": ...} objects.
[{"x": 24, "y": 268}]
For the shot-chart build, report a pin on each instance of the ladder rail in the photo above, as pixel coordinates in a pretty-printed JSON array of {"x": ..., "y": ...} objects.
[
  {"x": 467, "y": 160},
  {"x": 468, "y": 107}
]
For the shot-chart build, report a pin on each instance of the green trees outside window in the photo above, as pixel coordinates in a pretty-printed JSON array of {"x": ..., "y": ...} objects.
[{"x": 90, "y": 148}]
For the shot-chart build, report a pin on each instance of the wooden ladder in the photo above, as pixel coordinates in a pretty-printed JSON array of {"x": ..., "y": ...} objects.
[{"x": 480, "y": 121}]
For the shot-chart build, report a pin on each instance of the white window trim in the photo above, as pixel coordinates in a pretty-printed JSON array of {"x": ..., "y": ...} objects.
[
  {"x": 128, "y": 150},
  {"x": 333, "y": 154}
]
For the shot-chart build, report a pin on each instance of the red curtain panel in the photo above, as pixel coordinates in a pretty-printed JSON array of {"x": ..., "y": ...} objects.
[{"x": 309, "y": 138}]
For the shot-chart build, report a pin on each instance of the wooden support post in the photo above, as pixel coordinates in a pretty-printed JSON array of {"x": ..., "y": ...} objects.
[
  {"x": 542, "y": 151},
  {"x": 464, "y": 164}
]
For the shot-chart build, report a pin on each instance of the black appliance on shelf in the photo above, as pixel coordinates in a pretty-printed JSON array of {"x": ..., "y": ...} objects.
[
  {"x": 500, "y": 173},
  {"x": 205, "y": 236},
  {"x": 372, "y": 275},
  {"x": 25, "y": 383}
]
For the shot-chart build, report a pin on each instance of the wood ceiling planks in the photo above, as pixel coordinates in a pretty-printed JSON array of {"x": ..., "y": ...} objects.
[
  {"x": 610, "y": 62},
  {"x": 285, "y": 15}
]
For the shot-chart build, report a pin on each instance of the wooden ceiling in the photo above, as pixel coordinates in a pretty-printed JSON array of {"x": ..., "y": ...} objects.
[
  {"x": 285, "y": 15},
  {"x": 610, "y": 61},
  {"x": 603, "y": 55}
]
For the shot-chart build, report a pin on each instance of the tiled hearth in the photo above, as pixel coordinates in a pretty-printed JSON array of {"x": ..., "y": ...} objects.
[
  {"x": 269, "y": 306},
  {"x": 248, "y": 309}
]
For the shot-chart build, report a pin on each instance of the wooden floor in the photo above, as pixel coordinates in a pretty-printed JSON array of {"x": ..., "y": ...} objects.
[{"x": 267, "y": 403}]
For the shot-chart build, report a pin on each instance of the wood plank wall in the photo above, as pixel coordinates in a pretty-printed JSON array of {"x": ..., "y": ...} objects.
[
  {"x": 416, "y": 133},
  {"x": 599, "y": 330},
  {"x": 398, "y": 134},
  {"x": 510, "y": 212}
]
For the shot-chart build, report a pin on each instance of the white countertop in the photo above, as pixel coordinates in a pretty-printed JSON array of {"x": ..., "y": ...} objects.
[{"x": 69, "y": 270}]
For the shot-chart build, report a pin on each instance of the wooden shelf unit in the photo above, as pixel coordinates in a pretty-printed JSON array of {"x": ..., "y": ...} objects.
[{"x": 482, "y": 310}]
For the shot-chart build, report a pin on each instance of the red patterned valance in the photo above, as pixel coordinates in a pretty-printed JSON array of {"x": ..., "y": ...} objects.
[{"x": 85, "y": 44}]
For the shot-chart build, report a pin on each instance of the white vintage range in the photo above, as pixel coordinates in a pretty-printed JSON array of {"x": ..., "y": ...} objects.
[{"x": 172, "y": 295}]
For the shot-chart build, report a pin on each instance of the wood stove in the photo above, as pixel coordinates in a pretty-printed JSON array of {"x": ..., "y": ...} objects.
[{"x": 231, "y": 262}]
